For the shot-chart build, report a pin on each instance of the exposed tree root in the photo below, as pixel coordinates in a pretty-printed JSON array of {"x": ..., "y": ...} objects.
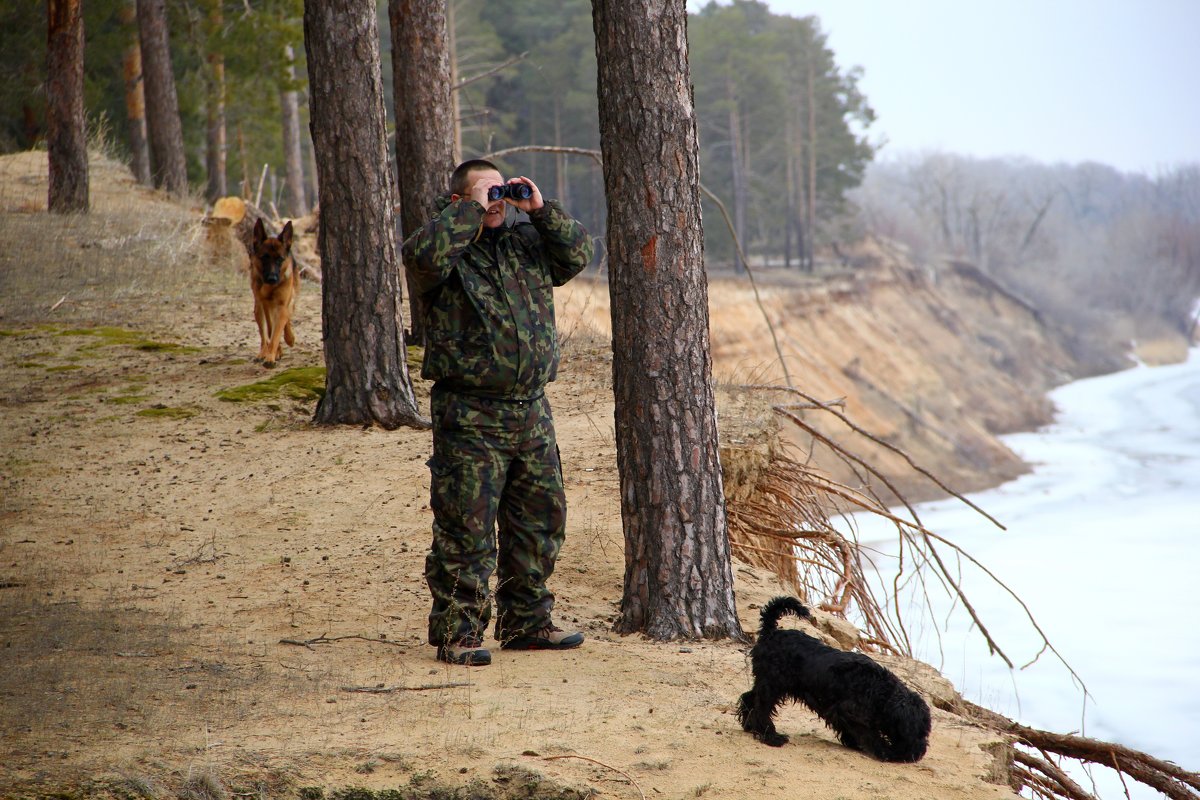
[{"x": 1042, "y": 776}]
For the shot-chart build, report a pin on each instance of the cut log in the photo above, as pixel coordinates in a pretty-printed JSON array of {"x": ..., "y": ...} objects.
[{"x": 240, "y": 216}]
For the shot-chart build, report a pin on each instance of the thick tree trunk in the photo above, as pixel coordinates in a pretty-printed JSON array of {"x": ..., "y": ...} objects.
[
  {"x": 289, "y": 101},
  {"x": 216, "y": 145},
  {"x": 424, "y": 122},
  {"x": 678, "y": 580},
  {"x": 66, "y": 129},
  {"x": 169, "y": 167},
  {"x": 135, "y": 98},
  {"x": 366, "y": 377}
]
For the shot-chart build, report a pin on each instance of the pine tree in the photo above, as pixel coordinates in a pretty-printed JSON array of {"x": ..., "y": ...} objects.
[
  {"x": 67, "y": 132},
  {"x": 367, "y": 378},
  {"x": 678, "y": 578}
]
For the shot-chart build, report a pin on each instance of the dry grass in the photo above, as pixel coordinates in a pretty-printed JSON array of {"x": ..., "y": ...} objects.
[{"x": 136, "y": 252}]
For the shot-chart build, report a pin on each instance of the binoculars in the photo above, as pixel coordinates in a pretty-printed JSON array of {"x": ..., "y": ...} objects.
[{"x": 513, "y": 191}]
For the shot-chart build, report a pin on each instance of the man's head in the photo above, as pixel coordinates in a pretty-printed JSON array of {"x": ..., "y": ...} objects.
[{"x": 475, "y": 173}]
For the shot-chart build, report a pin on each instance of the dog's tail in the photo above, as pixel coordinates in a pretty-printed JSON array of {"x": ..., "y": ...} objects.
[{"x": 775, "y": 609}]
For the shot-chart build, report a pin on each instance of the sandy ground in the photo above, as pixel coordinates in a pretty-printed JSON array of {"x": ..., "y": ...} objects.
[{"x": 165, "y": 555}]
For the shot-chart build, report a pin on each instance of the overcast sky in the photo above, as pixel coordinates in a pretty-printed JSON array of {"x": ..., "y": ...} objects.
[{"x": 1114, "y": 81}]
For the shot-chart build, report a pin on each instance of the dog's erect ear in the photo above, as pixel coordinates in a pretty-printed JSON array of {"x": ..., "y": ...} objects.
[
  {"x": 285, "y": 237},
  {"x": 260, "y": 233}
]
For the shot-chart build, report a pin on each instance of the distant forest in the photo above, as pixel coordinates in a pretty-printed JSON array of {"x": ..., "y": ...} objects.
[{"x": 785, "y": 146}]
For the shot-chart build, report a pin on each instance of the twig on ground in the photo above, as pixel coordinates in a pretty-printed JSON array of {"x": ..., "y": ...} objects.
[
  {"x": 427, "y": 687},
  {"x": 323, "y": 639}
]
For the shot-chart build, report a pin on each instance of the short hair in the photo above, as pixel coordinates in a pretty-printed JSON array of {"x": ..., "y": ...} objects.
[{"x": 458, "y": 180}]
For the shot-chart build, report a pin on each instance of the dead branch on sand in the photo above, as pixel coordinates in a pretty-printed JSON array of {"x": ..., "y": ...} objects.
[
  {"x": 323, "y": 639},
  {"x": 381, "y": 689}
]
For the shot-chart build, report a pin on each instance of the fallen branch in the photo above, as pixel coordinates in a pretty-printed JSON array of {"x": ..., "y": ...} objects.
[
  {"x": 390, "y": 689},
  {"x": 241, "y": 215},
  {"x": 323, "y": 639}
]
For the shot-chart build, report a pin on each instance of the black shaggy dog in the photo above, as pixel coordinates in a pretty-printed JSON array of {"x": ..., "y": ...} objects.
[{"x": 866, "y": 705}]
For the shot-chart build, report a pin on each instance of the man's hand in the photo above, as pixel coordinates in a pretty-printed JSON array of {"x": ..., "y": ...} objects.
[
  {"x": 534, "y": 202},
  {"x": 479, "y": 191}
]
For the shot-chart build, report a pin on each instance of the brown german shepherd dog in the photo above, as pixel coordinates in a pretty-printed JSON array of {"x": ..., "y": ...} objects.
[{"x": 275, "y": 282}]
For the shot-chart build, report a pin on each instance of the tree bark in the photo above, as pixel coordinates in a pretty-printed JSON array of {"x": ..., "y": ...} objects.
[
  {"x": 169, "y": 167},
  {"x": 135, "y": 98},
  {"x": 424, "y": 121},
  {"x": 366, "y": 378},
  {"x": 289, "y": 102},
  {"x": 66, "y": 134},
  {"x": 216, "y": 141},
  {"x": 678, "y": 578}
]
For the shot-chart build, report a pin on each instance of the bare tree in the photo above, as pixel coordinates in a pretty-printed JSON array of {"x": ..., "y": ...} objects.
[
  {"x": 678, "y": 579},
  {"x": 135, "y": 97},
  {"x": 737, "y": 163},
  {"x": 289, "y": 102},
  {"x": 367, "y": 378},
  {"x": 169, "y": 168},
  {"x": 66, "y": 139},
  {"x": 424, "y": 119},
  {"x": 216, "y": 146}
]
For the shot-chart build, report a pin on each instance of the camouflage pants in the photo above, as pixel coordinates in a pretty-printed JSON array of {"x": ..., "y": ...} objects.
[{"x": 495, "y": 465}]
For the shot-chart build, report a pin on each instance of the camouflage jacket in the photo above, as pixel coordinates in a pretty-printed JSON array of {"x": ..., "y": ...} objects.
[{"x": 488, "y": 296}]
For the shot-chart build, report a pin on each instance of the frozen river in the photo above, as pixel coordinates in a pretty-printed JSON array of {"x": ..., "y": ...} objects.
[{"x": 1103, "y": 545}]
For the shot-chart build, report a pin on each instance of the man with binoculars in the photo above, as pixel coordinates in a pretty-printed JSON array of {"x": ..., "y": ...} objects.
[{"x": 491, "y": 348}]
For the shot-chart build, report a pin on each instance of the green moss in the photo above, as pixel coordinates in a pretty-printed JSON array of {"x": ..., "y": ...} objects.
[
  {"x": 64, "y": 368},
  {"x": 298, "y": 383},
  {"x": 112, "y": 337},
  {"x": 108, "y": 334},
  {"x": 30, "y": 364},
  {"x": 13, "y": 333},
  {"x": 127, "y": 399},
  {"x": 168, "y": 412}
]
